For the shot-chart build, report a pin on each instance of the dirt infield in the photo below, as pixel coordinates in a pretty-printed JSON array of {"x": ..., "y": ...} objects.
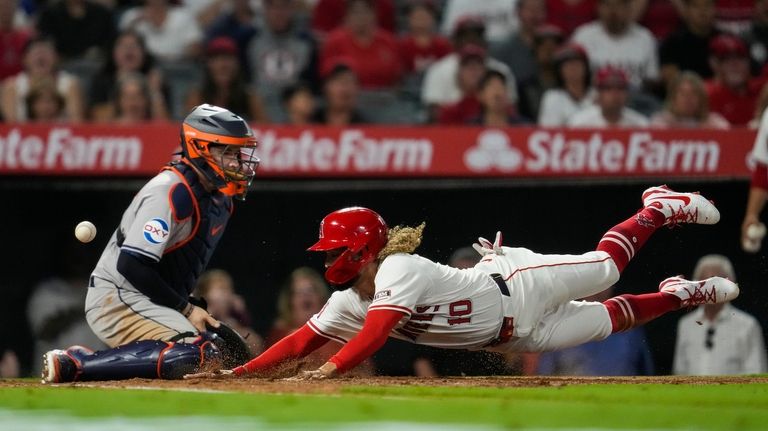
[{"x": 258, "y": 385}]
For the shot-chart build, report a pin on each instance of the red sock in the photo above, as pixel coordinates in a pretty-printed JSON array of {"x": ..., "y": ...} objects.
[
  {"x": 629, "y": 311},
  {"x": 624, "y": 239}
]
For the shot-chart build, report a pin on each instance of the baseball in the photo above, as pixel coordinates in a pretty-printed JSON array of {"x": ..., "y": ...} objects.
[{"x": 85, "y": 231}]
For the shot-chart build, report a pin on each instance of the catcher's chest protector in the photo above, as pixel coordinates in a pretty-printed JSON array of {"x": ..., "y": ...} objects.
[{"x": 181, "y": 265}]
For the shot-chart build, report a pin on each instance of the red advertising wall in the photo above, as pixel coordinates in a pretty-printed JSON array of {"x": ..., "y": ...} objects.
[{"x": 97, "y": 150}]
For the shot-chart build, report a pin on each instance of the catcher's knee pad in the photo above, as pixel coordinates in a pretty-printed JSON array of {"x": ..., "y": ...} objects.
[{"x": 149, "y": 359}]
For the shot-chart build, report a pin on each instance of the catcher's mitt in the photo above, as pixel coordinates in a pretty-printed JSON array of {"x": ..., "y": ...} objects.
[{"x": 233, "y": 347}]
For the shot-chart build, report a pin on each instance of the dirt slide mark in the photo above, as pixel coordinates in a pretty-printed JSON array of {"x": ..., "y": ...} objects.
[{"x": 259, "y": 385}]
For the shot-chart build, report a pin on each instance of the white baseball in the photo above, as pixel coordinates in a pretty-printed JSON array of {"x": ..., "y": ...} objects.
[{"x": 85, "y": 231}]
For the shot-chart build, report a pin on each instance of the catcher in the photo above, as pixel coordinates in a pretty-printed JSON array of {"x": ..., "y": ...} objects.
[
  {"x": 513, "y": 300},
  {"x": 138, "y": 298}
]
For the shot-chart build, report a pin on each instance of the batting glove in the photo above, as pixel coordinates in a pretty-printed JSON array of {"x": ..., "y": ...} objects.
[{"x": 484, "y": 247}]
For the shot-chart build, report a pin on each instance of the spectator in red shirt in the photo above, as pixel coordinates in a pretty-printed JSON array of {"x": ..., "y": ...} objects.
[
  {"x": 569, "y": 14},
  {"x": 422, "y": 45},
  {"x": 12, "y": 40},
  {"x": 733, "y": 92},
  {"x": 373, "y": 51},
  {"x": 328, "y": 15},
  {"x": 472, "y": 68}
]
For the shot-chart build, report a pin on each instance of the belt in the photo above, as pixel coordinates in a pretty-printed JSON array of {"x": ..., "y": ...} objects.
[{"x": 508, "y": 324}]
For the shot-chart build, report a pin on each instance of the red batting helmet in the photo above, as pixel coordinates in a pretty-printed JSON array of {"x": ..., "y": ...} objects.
[{"x": 360, "y": 231}]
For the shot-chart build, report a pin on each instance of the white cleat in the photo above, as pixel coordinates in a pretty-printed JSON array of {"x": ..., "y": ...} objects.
[
  {"x": 713, "y": 290},
  {"x": 680, "y": 207}
]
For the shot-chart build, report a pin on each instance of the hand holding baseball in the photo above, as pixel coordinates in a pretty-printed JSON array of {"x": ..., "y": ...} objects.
[
  {"x": 199, "y": 317},
  {"x": 752, "y": 236}
]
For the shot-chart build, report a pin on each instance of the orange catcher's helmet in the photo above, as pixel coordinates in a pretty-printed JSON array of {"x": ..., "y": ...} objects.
[
  {"x": 360, "y": 232},
  {"x": 222, "y": 146}
]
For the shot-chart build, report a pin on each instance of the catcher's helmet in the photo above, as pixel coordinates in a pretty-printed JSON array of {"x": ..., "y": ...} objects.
[
  {"x": 208, "y": 126},
  {"x": 361, "y": 232}
]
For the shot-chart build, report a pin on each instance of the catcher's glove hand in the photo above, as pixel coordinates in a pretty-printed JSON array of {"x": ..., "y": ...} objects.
[
  {"x": 485, "y": 247},
  {"x": 218, "y": 374},
  {"x": 233, "y": 347}
]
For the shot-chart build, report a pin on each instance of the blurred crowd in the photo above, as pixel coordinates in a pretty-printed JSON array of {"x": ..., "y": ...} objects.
[{"x": 559, "y": 63}]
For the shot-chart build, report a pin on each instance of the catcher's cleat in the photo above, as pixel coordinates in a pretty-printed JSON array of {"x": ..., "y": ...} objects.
[
  {"x": 60, "y": 366},
  {"x": 713, "y": 290},
  {"x": 680, "y": 207}
]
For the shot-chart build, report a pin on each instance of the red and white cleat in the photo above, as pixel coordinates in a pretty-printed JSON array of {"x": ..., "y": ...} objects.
[
  {"x": 713, "y": 290},
  {"x": 680, "y": 207}
]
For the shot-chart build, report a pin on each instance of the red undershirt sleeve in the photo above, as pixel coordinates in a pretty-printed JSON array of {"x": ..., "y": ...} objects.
[
  {"x": 760, "y": 176},
  {"x": 297, "y": 345},
  {"x": 378, "y": 324}
]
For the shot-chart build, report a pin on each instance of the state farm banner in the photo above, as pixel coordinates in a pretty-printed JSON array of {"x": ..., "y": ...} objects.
[{"x": 375, "y": 151}]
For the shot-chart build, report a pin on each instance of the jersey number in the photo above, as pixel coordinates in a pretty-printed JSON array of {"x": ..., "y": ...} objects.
[{"x": 459, "y": 309}]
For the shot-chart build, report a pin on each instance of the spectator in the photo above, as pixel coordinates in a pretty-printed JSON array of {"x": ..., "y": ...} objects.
[
  {"x": 224, "y": 85},
  {"x": 44, "y": 103},
  {"x": 498, "y": 16},
  {"x": 621, "y": 354},
  {"x": 301, "y": 297},
  {"x": 205, "y": 11},
  {"x": 80, "y": 28},
  {"x": 468, "y": 76},
  {"x": 238, "y": 24},
  {"x": 12, "y": 40},
  {"x": 568, "y": 15},
  {"x": 495, "y": 108},
  {"x": 734, "y": 16},
  {"x": 757, "y": 35},
  {"x": 758, "y": 187},
  {"x": 281, "y": 53},
  {"x": 547, "y": 40},
  {"x": 218, "y": 289},
  {"x": 761, "y": 105},
  {"x": 610, "y": 110},
  {"x": 170, "y": 32},
  {"x": 128, "y": 56},
  {"x": 574, "y": 90},
  {"x": 688, "y": 47},
  {"x": 328, "y": 15},
  {"x": 440, "y": 86},
  {"x": 421, "y": 45},
  {"x": 517, "y": 51},
  {"x": 40, "y": 63},
  {"x": 373, "y": 52},
  {"x": 133, "y": 102},
  {"x": 718, "y": 339},
  {"x": 733, "y": 92},
  {"x": 340, "y": 89},
  {"x": 687, "y": 106},
  {"x": 614, "y": 39},
  {"x": 299, "y": 104},
  {"x": 661, "y": 17}
]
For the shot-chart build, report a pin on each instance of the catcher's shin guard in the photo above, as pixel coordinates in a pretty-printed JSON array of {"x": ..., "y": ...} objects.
[{"x": 149, "y": 359}]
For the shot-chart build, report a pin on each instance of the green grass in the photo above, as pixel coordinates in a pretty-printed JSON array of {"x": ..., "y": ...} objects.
[{"x": 637, "y": 406}]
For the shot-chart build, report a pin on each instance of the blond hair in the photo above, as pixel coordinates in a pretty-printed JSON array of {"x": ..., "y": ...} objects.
[{"x": 402, "y": 239}]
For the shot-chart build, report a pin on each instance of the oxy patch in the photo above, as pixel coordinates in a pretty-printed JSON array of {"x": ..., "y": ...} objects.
[{"x": 156, "y": 231}]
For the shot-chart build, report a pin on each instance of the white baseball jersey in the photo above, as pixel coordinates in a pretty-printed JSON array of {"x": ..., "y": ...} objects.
[{"x": 465, "y": 308}]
